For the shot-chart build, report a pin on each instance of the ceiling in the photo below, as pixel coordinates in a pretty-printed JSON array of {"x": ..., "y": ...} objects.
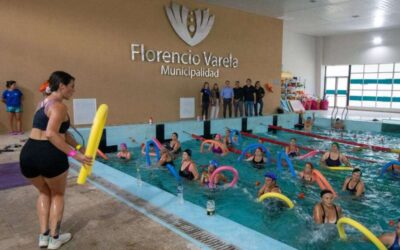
[{"x": 323, "y": 17}]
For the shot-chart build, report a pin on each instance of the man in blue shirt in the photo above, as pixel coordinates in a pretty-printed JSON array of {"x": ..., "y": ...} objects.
[
  {"x": 227, "y": 97},
  {"x": 12, "y": 98}
]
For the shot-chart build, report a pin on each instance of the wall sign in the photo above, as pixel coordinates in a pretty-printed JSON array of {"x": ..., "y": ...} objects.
[{"x": 192, "y": 27}]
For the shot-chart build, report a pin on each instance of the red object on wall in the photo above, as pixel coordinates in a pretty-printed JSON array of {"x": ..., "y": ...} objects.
[{"x": 324, "y": 104}]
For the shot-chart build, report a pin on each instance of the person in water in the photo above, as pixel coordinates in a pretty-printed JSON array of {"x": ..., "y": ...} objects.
[
  {"x": 152, "y": 151},
  {"x": 216, "y": 149},
  {"x": 205, "y": 176},
  {"x": 269, "y": 185},
  {"x": 354, "y": 184},
  {"x": 174, "y": 146},
  {"x": 307, "y": 174},
  {"x": 188, "y": 168},
  {"x": 227, "y": 139},
  {"x": 165, "y": 158},
  {"x": 338, "y": 124},
  {"x": 395, "y": 167},
  {"x": 258, "y": 159},
  {"x": 124, "y": 153},
  {"x": 333, "y": 157},
  {"x": 292, "y": 150},
  {"x": 309, "y": 122},
  {"x": 326, "y": 212},
  {"x": 392, "y": 240}
]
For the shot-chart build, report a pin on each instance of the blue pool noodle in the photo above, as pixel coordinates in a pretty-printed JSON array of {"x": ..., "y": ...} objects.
[
  {"x": 173, "y": 172},
  {"x": 148, "y": 144},
  {"x": 233, "y": 132},
  {"x": 388, "y": 165},
  {"x": 288, "y": 161}
]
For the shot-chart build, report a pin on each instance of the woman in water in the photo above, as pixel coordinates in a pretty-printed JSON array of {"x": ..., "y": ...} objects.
[
  {"x": 326, "y": 212},
  {"x": 227, "y": 139},
  {"x": 205, "y": 176},
  {"x": 292, "y": 150},
  {"x": 258, "y": 159},
  {"x": 188, "y": 168},
  {"x": 165, "y": 158},
  {"x": 174, "y": 146},
  {"x": 333, "y": 158},
  {"x": 269, "y": 185},
  {"x": 124, "y": 153},
  {"x": 309, "y": 122},
  {"x": 307, "y": 174},
  {"x": 354, "y": 184},
  {"x": 216, "y": 149},
  {"x": 392, "y": 240}
]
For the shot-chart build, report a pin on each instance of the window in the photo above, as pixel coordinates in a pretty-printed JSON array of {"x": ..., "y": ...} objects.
[{"x": 375, "y": 86}]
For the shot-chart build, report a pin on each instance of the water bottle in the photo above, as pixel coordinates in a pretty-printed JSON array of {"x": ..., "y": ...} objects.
[
  {"x": 138, "y": 177},
  {"x": 210, "y": 207},
  {"x": 179, "y": 193}
]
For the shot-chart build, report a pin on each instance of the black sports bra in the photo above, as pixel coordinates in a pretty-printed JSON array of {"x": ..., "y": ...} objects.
[{"x": 40, "y": 120}]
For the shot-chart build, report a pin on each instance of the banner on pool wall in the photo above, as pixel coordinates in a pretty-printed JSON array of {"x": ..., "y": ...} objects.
[{"x": 192, "y": 27}]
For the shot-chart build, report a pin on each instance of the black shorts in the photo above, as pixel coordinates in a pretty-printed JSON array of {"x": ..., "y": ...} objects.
[{"x": 42, "y": 158}]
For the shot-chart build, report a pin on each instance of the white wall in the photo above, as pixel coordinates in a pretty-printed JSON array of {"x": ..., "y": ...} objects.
[
  {"x": 357, "y": 48},
  {"x": 299, "y": 56}
]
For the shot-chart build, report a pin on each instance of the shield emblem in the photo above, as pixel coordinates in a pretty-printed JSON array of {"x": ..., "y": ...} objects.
[{"x": 191, "y": 26}]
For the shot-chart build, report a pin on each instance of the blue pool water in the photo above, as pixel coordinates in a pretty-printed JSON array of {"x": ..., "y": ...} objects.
[{"x": 294, "y": 227}]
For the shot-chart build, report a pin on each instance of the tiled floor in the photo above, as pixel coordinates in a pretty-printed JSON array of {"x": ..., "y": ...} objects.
[{"x": 96, "y": 220}]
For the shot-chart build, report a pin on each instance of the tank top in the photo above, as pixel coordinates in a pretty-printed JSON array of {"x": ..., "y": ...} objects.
[{"x": 40, "y": 119}]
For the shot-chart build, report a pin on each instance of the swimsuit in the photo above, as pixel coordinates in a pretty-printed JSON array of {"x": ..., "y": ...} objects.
[
  {"x": 329, "y": 162},
  {"x": 293, "y": 153},
  {"x": 303, "y": 178},
  {"x": 352, "y": 190},
  {"x": 186, "y": 173},
  {"x": 396, "y": 244},
  {"x": 258, "y": 164},
  {"x": 216, "y": 150},
  {"x": 327, "y": 219}
]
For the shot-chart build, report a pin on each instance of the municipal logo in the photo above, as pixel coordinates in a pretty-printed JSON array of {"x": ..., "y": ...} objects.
[{"x": 191, "y": 26}]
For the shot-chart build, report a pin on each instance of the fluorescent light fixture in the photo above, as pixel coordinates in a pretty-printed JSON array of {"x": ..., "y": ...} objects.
[
  {"x": 377, "y": 40},
  {"x": 379, "y": 18}
]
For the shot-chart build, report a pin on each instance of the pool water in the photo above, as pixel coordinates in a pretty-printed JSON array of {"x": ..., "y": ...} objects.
[{"x": 294, "y": 227}]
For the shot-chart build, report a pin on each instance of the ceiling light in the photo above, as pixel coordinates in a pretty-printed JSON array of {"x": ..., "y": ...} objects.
[
  {"x": 355, "y": 16},
  {"x": 377, "y": 40},
  {"x": 379, "y": 18}
]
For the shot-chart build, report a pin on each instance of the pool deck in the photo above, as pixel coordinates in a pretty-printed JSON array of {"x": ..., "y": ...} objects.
[{"x": 96, "y": 219}]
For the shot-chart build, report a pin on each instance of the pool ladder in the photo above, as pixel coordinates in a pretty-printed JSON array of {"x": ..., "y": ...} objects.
[{"x": 335, "y": 112}]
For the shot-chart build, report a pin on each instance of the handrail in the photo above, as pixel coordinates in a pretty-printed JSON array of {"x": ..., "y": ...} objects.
[{"x": 344, "y": 113}]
